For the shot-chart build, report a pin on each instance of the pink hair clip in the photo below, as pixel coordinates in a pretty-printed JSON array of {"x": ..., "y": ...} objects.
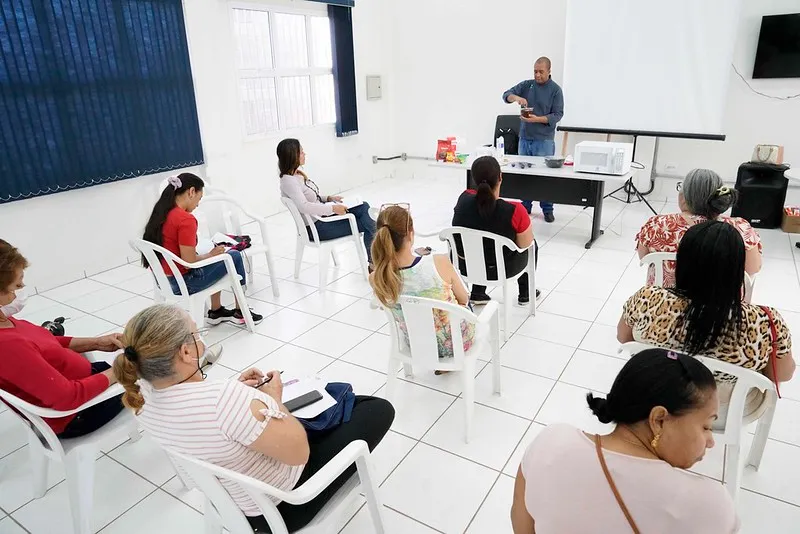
[
  {"x": 672, "y": 355},
  {"x": 174, "y": 181}
]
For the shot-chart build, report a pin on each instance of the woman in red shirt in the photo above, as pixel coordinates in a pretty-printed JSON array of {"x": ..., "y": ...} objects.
[
  {"x": 172, "y": 226},
  {"x": 701, "y": 197},
  {"x": 47, "y": 370}
]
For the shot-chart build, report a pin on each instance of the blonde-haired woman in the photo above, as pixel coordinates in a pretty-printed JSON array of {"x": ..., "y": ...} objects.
[
  {"x": 230, "y": 423},
  {"x": 399, "y": 272}
]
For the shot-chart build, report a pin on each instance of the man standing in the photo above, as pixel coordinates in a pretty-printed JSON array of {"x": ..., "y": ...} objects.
[{"x": 537, "y": 132}]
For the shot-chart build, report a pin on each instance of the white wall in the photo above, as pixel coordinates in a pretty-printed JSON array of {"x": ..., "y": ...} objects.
[
  {"x": 452, "y": 65},
  {"x": 750, "y": 119},
  {"x": 70, "y": 235}
]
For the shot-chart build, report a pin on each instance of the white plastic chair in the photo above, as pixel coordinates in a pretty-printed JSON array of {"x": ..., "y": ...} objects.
[
  {"x": 472, "y": 242},
  {"x": 77, "y": 454},
  {"x": 736, "y": 420},
  {"x": 222, "y": 512},
  {"x": 657, "y": 259},
  {"x": 196, "y": 303},
  {"x": 221, "y": 213},
  {"x": 326, "y": 248},
  {"x": 423, "y": 348}
]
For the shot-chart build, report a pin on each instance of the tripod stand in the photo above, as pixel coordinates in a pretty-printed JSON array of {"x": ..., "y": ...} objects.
[{"x": 629, "y": 188}]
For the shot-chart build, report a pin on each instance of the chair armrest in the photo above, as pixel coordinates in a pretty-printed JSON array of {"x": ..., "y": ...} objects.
[
  {"x": 488, "y": 312},
  {"x": 112, "y": 391},
  {"x": 93, "y": 356},
  {"x": 332, "y": 218},
  {"x": 322, "y": 478},
  {"x": 201, "y": 263}
]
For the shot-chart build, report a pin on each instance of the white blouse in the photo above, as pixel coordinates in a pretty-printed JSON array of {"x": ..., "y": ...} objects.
[{"x": 305, "y": 198}]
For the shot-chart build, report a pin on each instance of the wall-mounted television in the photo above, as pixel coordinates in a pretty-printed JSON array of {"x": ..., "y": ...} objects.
[{"x": 778, "y": 53}]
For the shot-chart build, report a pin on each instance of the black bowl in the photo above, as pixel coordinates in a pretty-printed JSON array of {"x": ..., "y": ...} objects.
[{"x": 553, "y": 162}]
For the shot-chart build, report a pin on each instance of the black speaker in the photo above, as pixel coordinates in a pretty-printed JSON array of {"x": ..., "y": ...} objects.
[{"x": 762, "y": 192}]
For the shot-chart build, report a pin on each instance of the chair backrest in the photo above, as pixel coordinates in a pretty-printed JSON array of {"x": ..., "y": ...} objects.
[
  {"x": 152, "y": 254},
  {"x": 656, "y": 260},
  {"x": 507, "y": 122},
  {"x": 745, "y": 380},
  {"x": 418, "y": 313},
  {"x": 207, "y": 477},
  {"x": 472, "y": 265},
  {"x": 31, "y": 417},
  {"x": 218, "y": 212},
  {"x": 301, "y": 221},
  {"x": 749, "y": 286}
]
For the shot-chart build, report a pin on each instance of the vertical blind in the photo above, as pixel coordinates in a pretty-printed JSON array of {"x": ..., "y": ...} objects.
[
  {"x": 93, "y": 91},
  {"x": 344, "y": 70}
]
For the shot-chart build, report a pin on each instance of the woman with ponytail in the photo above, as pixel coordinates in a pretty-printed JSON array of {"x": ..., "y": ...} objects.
[
  {"x": 240, "y": 424},
  {"x": 172, "y": 226},
  {"x": 635, "y": 478},
  {"x": 398, "y": 271},
  {"x": 304, "y": 193},
  {"x": 483, "y": 209},
  {"x": 701, "y": 197}
]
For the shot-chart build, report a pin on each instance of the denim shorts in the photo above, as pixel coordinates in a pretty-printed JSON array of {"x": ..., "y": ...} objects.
[{"x": 204, "y": 277}]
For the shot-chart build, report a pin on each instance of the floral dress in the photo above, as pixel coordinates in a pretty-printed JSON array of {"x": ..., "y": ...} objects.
[
  {"x": 422, "y": 279},
  {"x": 662, "y": 233}
]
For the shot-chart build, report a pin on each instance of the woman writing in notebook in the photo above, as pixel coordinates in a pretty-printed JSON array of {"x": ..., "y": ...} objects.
[{"x": 305, "y": 195}]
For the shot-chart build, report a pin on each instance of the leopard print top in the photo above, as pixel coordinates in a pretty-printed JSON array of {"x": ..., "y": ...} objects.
[{"x": 654, "y": 312}]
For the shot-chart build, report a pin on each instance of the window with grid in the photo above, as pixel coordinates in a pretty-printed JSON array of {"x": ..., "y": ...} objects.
[{"x": 285, "y": 70}]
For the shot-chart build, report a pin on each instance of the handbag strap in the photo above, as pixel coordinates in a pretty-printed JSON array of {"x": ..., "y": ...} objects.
[
  {"x": 610, "y": 480},
  {"x": 774, "y": 355}
]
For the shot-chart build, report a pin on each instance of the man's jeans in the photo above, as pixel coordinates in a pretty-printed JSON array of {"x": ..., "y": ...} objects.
[{"x": 544, "y": 147}]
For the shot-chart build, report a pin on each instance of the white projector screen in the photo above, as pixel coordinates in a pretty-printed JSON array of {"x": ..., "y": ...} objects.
[{"x": 648, "y": 65}]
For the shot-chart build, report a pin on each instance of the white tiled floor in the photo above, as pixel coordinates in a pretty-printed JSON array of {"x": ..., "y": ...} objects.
[{"x": 431, "y": 481}]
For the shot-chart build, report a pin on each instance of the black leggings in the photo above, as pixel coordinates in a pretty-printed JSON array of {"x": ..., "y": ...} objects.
[
  {"x": 517, "y": 263},
  {"x": 370, "y": 421},
  {"x": 88, "y": 420}
]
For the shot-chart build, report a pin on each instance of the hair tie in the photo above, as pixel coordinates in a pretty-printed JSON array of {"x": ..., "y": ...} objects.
[
  {"x": 175, "y": 182},
  {"x": 672, "y": 355},
  {"x": 130, "y": 354},
  {"x": 724, "y": 190}
]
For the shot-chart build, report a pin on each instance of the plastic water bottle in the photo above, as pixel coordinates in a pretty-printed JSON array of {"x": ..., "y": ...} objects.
[{"x": 500, "y": 144}]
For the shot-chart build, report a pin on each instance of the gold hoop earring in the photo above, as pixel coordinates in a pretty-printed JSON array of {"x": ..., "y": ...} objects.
[{"x": 654, "y": 443}]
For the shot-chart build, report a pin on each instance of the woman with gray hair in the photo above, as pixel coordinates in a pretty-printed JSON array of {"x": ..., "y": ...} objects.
[
  {"x": 701, "y": 197},
  {"x": 240, "y": 424}
]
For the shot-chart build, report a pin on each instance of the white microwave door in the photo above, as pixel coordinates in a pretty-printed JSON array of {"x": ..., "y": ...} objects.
[{"x": 595, "y": 159}]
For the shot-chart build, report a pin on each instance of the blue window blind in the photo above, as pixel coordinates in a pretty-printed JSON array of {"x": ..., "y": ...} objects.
[
  {"x": 345, "y": 3},
  {"x": 344, "y": 70},
  {"x": 93, "y": 91}
]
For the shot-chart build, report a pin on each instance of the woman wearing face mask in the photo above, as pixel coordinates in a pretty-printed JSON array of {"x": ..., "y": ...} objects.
[
  {"x": 230, "y": 423},
  {"x": 633, "y": 479},
  {"x": 172, "y": 226},
  {"x": 47, "y": 370},
  {"x": 305, "y": 194}
]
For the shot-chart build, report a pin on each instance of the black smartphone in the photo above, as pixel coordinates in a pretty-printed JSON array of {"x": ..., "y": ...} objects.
[{"x": 303, "y": 400}]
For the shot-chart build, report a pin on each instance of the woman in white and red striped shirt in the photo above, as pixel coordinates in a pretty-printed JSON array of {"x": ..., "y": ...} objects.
[{"x": 230, "y": 423}]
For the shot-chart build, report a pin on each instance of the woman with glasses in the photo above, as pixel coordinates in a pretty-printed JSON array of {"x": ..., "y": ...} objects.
[
  {"x": 701, "y": 197},
  {"x": 399, "y": 272},
  {"x": 240, "y": 424},
  {"x": 297, "y": 186}
]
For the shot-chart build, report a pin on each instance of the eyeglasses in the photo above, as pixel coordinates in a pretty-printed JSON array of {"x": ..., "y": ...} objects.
[
  {"x": 311, "y": 185},
  {"x": 679, "y": 186},
  {"x": 200, "y": 335},
  {"x": 404, "y": 205}
]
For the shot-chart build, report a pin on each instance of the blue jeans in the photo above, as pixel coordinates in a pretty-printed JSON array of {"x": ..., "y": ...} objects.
[
  {"x": 205, "y": 277},
  {"x": 543, "y": 147},
  {"x": 337, "y": 229}
]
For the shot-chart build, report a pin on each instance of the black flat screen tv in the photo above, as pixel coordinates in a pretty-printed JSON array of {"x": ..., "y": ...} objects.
[{"x": 778, "y": 53}]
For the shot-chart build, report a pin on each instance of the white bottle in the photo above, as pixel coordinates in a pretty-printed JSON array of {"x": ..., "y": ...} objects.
[{"x": 500, "y": 145}]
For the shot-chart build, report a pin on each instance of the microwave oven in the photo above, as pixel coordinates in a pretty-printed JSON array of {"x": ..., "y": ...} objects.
[{"x": 603, "y": 158}]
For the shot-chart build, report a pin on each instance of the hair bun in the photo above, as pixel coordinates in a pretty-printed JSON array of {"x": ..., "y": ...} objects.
[{"x": 599, "y": 407}]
